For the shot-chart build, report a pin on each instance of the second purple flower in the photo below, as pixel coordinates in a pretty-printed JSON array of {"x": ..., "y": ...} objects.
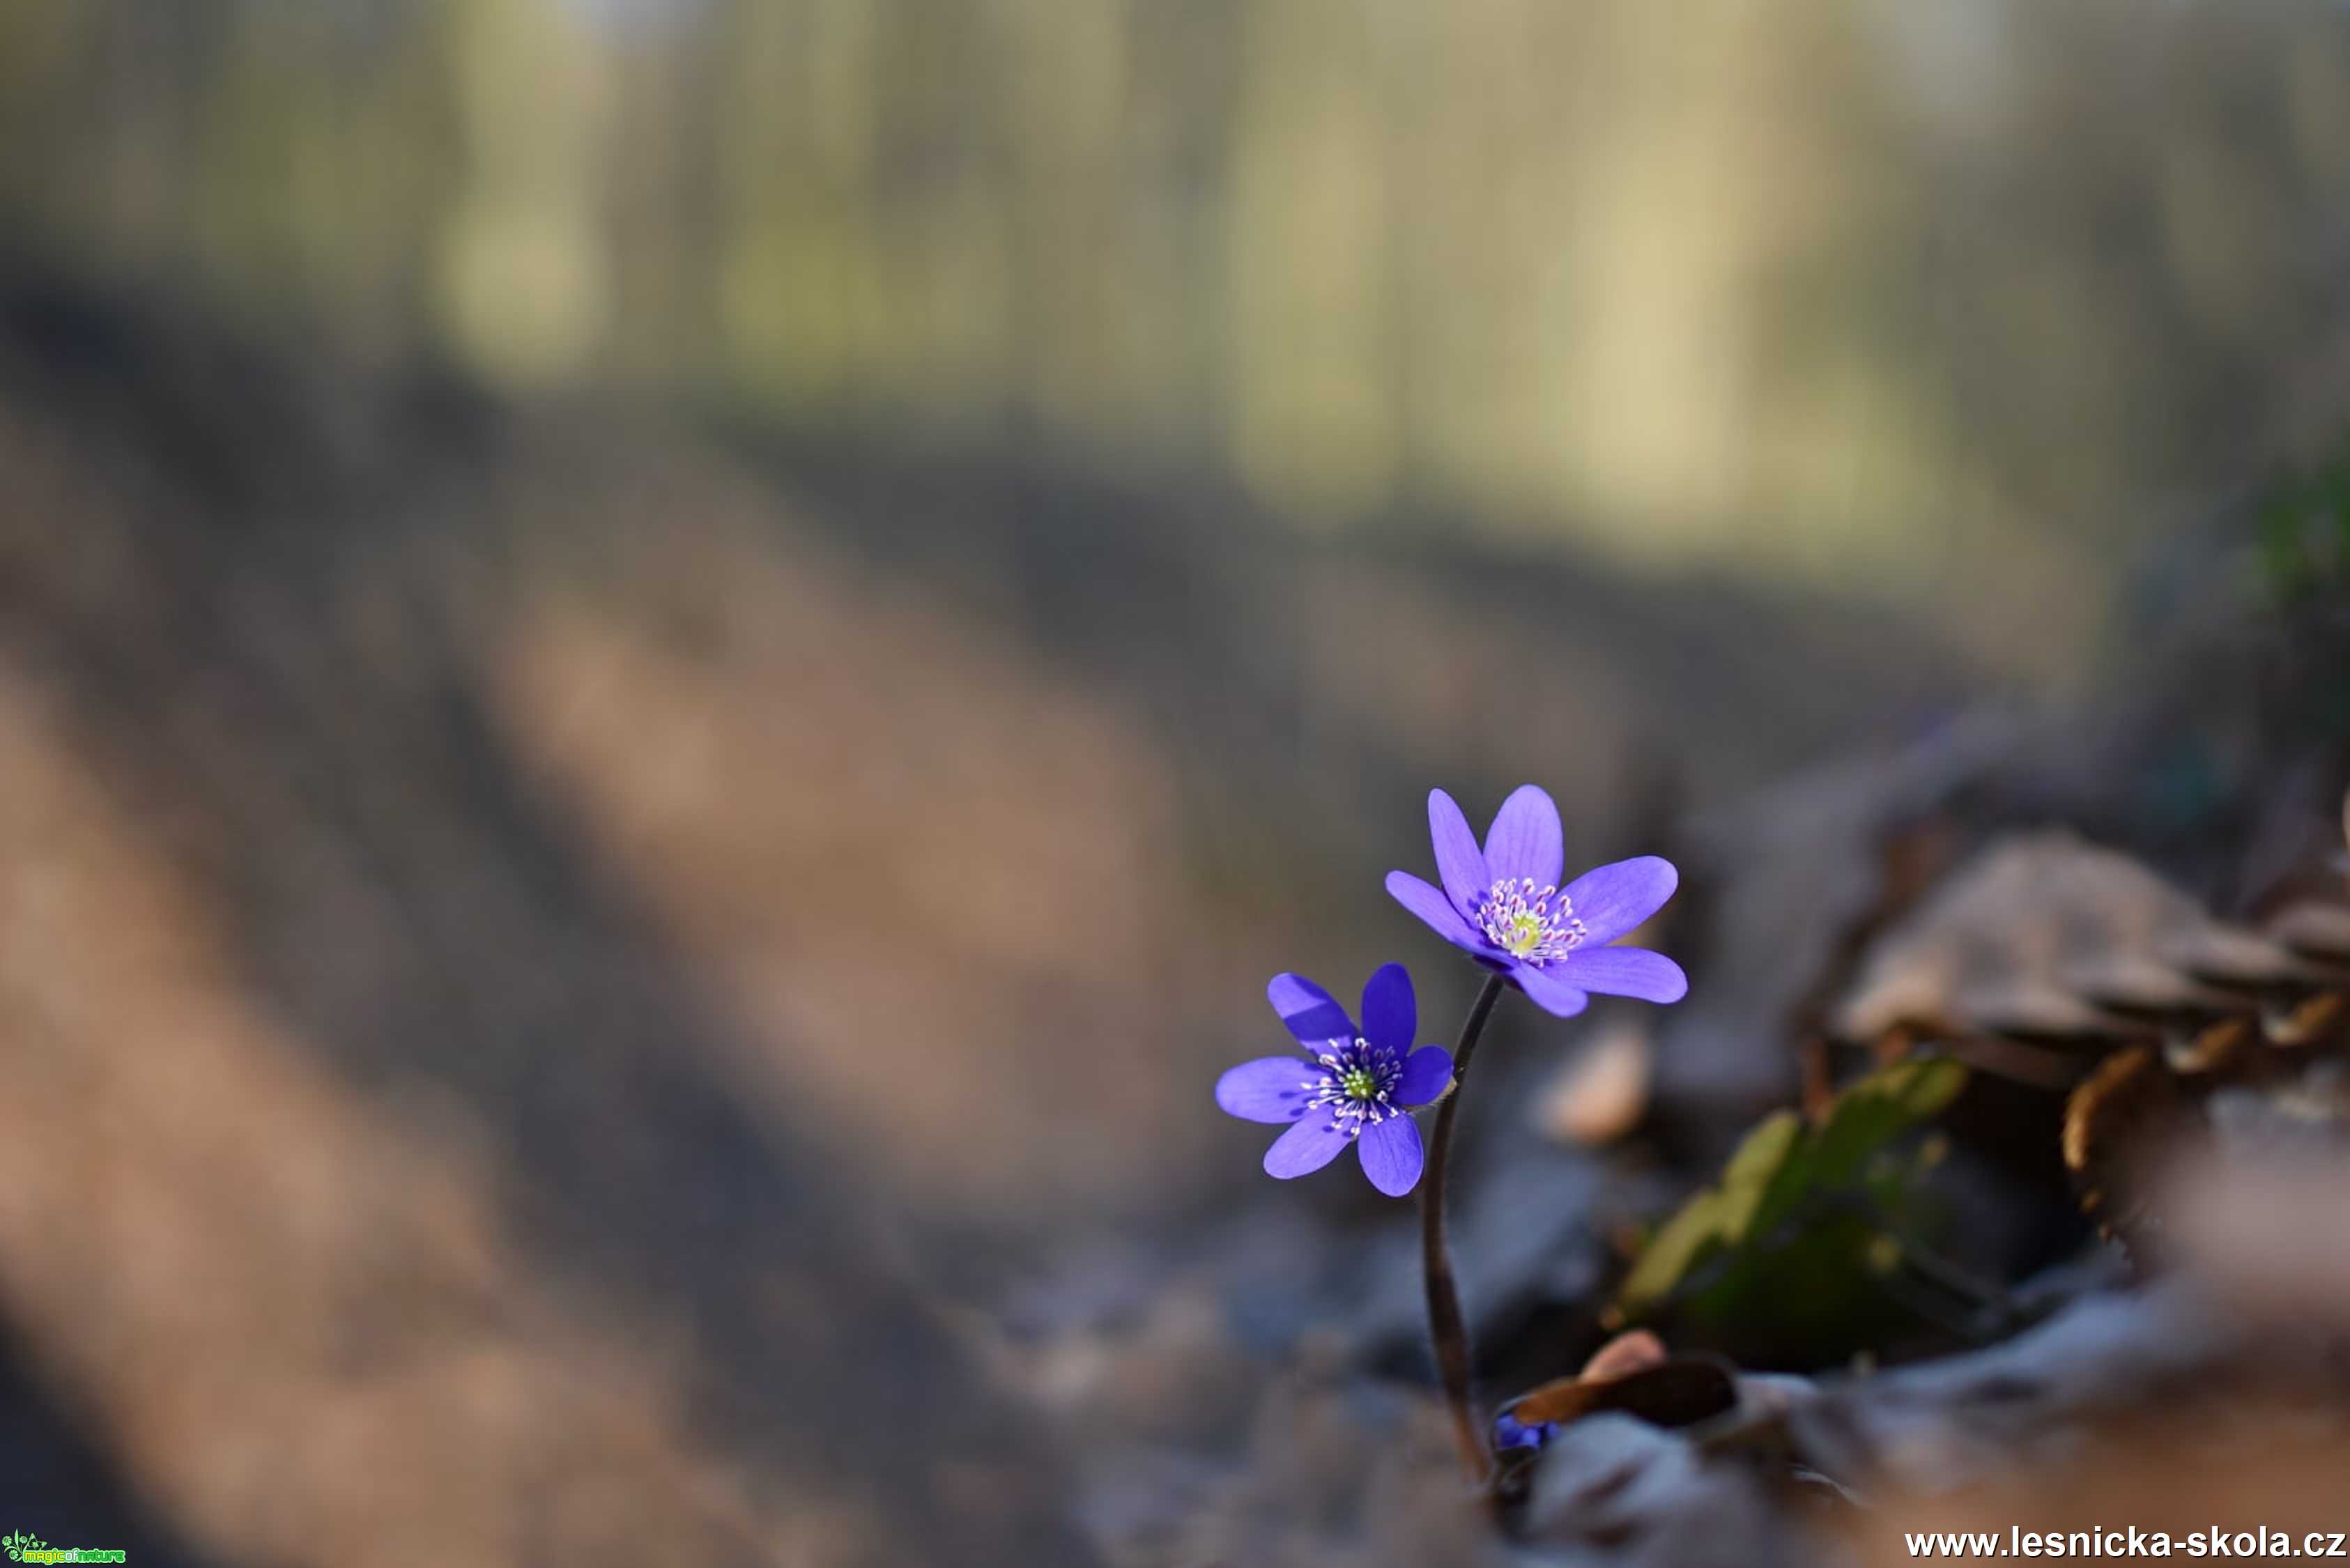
[{"x": 1352, "y": 1086}]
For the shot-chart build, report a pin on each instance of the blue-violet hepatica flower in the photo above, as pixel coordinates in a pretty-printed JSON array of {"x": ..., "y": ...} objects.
[
  {"x": 1502, "y": 903},
  {"x": 1352, "y": 1085}
]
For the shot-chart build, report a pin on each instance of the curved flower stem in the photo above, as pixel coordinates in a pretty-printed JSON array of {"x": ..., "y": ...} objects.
[{"x": 1445, "y": 1324}]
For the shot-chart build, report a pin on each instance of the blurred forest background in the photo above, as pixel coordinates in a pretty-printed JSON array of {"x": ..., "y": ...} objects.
[
  {"x": 1935, "y": 298},
  {"x": 670, "y": 670}
]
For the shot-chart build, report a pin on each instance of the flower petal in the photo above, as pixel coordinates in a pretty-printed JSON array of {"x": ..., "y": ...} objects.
[
  {"x": 1312, "y": 1013},
  {"x": 1434, "y": 907},
  {"x": 1509, "y": 1432},
  {"x": 1612, "y": 899},
  {"x": 1269, "y": 1089},
  {"x": 1391, "y": 1155},
  {"x": 1524, "y": 839},
  {"x": 1626, "y": 972},
  {"x": 1460, "y": 864},
  {"x": 1425, "y": 1073},
  {"x": 1390, "y": 1016},
  {"x": 1305, "y": 1149},
  {"x": 1548, "y": 990}
]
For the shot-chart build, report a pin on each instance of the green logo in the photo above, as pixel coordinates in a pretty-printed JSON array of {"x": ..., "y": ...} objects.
[{"x": 23, "y": 1548}]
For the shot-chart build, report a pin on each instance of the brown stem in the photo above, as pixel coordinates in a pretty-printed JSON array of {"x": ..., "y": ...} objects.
[{"x": 1446, "y": 1327}]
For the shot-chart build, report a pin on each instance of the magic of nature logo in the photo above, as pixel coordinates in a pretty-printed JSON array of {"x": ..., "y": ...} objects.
[{"x": 23, "y": 1548}]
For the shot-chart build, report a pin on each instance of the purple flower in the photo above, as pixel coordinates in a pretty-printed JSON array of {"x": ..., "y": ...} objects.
[
  {"x": 1503, "y": 906},
  {"x": 1353, "y": 1085},
  {"x": 1509, "y": 1432}
]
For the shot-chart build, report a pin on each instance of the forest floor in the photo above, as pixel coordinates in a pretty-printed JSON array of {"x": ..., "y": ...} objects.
[{"x": 590, "y": 985}]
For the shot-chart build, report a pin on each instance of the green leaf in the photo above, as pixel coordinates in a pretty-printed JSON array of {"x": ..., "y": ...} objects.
[
  {"x": 1879, "y": 1108},
  {"x": 1767, "y": 1246},
  {"x": 1720, "y": 1217}
]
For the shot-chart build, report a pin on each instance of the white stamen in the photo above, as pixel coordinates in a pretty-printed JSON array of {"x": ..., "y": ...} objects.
[
  {"x": 1369, "y": 1100},
  {"x": 1537, "y": 926}
]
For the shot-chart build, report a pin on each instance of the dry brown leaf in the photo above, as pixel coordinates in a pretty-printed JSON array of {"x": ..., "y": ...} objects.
[
  {"x": 2123, "y": 1124},
  {"x": 2322, "y": 930},
  {"x": 2046, "y": 938},
  {"x": 1635, "y": 1350},
  {"x": 2216, "y": 1047},
  {"x": 2310, "y": 1021},
  {"x": 1678, "y": 1391}
]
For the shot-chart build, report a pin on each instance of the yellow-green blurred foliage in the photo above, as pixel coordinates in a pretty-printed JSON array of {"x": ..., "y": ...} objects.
[{"x": 1849, "y": 288}]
